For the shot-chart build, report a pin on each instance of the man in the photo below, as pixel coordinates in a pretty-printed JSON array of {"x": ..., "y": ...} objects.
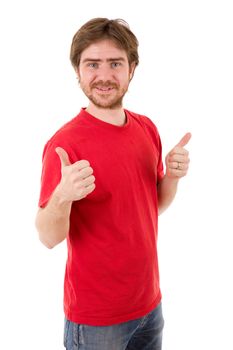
[{"x": 102, "y": 189}]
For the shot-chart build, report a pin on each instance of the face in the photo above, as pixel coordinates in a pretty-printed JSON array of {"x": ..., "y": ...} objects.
[{"x": 104, "y": 74}]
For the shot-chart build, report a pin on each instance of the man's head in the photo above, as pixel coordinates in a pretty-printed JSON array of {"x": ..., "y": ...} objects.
[
  {"x": 98, "y": 29},
  {"x": 104, "y": 55}
]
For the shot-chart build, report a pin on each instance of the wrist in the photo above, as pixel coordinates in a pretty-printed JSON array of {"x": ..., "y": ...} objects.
[
  {"x": 60, "y": 198},
  {"x": 171, "y": 178}
]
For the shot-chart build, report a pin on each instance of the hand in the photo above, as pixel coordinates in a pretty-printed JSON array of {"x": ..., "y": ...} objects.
[
  {"x": 77, "y": 180},
  {"x": 177, "y": 160}
]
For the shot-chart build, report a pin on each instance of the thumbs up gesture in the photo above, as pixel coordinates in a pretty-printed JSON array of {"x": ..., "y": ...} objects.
[
  {"x": 77, "y": 180},
  {"x": 177, "y": 160}
]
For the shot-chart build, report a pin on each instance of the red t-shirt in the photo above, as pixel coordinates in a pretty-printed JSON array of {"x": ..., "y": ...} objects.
[{"x": 112, "y": 266}]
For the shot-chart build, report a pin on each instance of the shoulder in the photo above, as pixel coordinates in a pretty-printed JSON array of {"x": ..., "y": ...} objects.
[
  {"x": 145, "y": 122},
  {"x": 66, "y": 137}
]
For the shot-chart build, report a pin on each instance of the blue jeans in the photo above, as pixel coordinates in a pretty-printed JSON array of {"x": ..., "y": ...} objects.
[{"x": 141, "y": 334}]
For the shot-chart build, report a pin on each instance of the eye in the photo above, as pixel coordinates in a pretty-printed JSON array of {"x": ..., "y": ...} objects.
[
  {"x": 115, "y": 64},
  {"x": 93, "y": 65}
]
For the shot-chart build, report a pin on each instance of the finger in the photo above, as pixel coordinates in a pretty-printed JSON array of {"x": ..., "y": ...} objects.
[
  {"x": 178, "y": 166},
  {"x": 64, "y": 158},
  {"x": 88, "y": 189},
  {"x": 178, "y": 172},
  {"x": 179, "y": 158},
  {"x": 185, "y": 139},
  {"x": 88, "y": 181},
  {"x": 173, "y": 165},
  {"x": 85, "y": 172},
  {"x": 82, "y": 164}
]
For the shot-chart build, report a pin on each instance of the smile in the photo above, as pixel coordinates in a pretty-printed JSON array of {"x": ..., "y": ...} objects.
[{"x": 104, "y": 89}]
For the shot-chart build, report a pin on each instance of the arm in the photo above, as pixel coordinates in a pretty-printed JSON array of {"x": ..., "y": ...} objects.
[
  {"x": 52, "y": 221},
  {"x": 166, "y": 191},
  {"x": 77, "y": 181},
  {"x": 177, "y": 162}
]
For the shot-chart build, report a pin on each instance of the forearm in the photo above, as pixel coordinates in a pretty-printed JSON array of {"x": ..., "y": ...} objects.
[
  {"x": 166, "y": 192},
  {"x": 177, "y": 162},
  {"x": 52, "y": 221}
]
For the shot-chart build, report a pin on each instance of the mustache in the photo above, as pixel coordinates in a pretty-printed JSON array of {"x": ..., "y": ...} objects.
[{"x": 106, "y": 84}]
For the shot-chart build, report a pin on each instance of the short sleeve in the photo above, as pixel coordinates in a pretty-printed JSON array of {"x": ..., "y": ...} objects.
[
  {"x": 160, "y": 169},
  {"x": 51, "y": 173},
  {"x": 153, "y": 131}
]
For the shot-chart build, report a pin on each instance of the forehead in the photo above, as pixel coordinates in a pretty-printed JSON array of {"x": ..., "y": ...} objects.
[{"x": 103, "y": 49}]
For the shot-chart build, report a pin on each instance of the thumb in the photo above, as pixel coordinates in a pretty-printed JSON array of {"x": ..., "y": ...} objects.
[
  {"x": 64, "y": 158},
  {"x": 185, "y": 139}
]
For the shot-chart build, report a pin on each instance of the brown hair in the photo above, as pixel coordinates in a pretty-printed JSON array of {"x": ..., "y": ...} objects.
[{"x": 103, "y": 28}]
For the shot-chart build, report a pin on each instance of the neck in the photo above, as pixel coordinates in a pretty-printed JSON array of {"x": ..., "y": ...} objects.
[{"x": 113, "y": 116}]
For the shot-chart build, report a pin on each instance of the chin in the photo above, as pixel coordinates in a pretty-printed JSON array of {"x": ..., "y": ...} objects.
[{"x": 111, "y": 104}]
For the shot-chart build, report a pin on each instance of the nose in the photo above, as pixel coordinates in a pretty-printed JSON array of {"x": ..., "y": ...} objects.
[{"x": 104, "y": 72}]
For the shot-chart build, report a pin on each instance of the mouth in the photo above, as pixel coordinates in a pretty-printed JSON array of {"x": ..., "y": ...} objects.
[{"x": 104, "y": 89}]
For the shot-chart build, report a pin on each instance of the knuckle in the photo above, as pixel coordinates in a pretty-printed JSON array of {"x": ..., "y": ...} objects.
[
  {"x": 92, "y": 187},
  {"x": 82, "y": 192},
  {"x": 86, "y": 163},
  {"x": 83, "y": 164}
]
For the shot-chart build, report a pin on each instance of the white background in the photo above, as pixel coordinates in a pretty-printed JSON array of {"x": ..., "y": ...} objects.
[{"x": 184, "y": 83}]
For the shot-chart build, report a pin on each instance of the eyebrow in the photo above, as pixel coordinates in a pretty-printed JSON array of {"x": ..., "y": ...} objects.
[{"x": 99, "y": 60}]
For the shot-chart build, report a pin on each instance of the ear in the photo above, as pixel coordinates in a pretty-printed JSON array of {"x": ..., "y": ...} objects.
[
  {"x": 77, "y": 73},
  {"x": 131, "y": 70}
]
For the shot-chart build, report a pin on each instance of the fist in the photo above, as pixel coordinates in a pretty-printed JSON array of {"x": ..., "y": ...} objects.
[
  {"x": 77, "y": 179},
  {"x": 177, "y": 160}
]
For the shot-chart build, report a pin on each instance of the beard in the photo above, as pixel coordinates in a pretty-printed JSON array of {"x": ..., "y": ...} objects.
[{"x": 104, "y": 99}]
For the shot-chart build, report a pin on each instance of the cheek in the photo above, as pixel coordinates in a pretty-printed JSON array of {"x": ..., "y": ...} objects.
[
  {"x": 123, "y": 77},
  {"x": 86, "y": 77},
  {"x": 126, "y": 80}
]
